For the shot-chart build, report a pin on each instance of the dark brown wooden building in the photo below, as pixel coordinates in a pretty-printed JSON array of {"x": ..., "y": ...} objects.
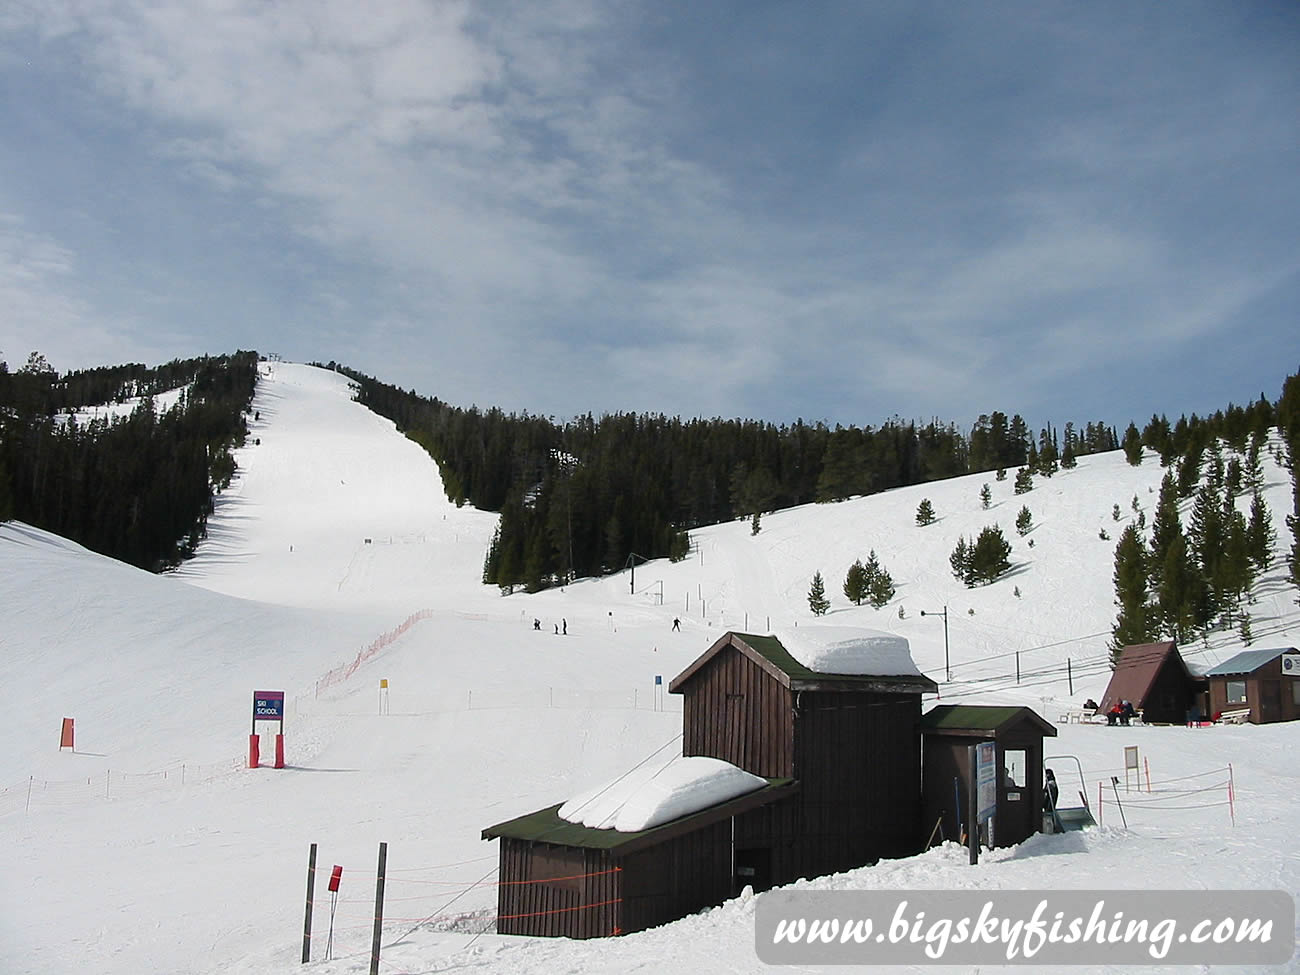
[
  {"x": 1256, "y": 681},
  {"x": 842, "y": 758},
  {"x": 563, "y": 879},
  {"x": 852, "y": 743},
  {"x": 948, "y": 731},
  {"x": 1155, "y": 678}
]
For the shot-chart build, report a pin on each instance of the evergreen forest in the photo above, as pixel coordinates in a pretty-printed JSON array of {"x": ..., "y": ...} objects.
[
  {"x": 589, "y": 496},
  {"x": 137, "y": 487}
]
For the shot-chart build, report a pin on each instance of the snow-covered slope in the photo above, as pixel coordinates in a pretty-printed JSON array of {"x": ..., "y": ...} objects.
[{"x": 150, "y": 849}]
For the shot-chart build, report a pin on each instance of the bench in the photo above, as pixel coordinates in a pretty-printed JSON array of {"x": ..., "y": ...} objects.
[{"x": 1239, "y": 716}]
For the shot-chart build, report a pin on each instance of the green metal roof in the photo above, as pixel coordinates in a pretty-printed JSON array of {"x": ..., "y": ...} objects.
[
  {"x": 546, "y": 826},
  {"x": 956, "y": 718},
  {"x": 1247, "y": 662}
]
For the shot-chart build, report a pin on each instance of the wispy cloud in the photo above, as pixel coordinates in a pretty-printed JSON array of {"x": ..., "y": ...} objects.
[{"x": 577, "y": 205}]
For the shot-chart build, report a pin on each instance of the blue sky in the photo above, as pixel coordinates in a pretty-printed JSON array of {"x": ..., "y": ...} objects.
[{"x": 837, "y": 211}]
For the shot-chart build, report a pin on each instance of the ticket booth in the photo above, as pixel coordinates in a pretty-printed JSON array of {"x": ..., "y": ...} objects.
[{"x": 947, "y": 732}]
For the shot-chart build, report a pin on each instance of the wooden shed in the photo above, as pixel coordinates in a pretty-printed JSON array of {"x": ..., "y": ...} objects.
[
  {"x": 1155, "y": 678},
  {"x": 563, "y": 879},
  {"x": 851, "y": 741},
  {"x": 1256, "y": 681},
  {"x": 841, "y": 756},
  {"x": 948, "y": 731}
]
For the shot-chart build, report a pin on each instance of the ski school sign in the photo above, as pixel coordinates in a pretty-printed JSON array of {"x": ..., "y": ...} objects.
[{"x": 268, "y": 706}]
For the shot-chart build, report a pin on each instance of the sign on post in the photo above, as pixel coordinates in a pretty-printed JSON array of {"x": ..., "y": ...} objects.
[
  {"x": 1131, "y": 764},
  {"x": 267, "y": 706},
  {"x": 982, "y": 801},
  {"x": 987, "y": 780}
]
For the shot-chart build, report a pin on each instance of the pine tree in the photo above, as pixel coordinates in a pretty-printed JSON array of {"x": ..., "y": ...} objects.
[
  {"x": 1207, "y": 535},
  {"x": 986, "y": 496},
  {"x": 1236, "y": 572},
  {"x": 1260, "y": 535},
  {"x": 754, "y": 524},
  {"x": 1133, "y": 624},
  {"x": 990, "y": 556},
  {"x": 817, "y": 600},
  {"x": 1001, "y": 474},
  {"x": 1024, "y": 481},
  {"x": 1047, "y": 454},
  {"x": 1024, "y": 521},
  {"x": 1233, "y": 478},
  {"x": 1254, "y": 470},
  {"x": 1181, "y": 591},
  {"x": 960, "y": 560},
  {"x": 925, "y": 513},
  {"x": 855, "y": 583},
  {"x": 879, "y": 583},
  {"x": 1070, "y": 450},
  {"x": 1165, "y": 528},
  {"x": 1133, "y": 445}
]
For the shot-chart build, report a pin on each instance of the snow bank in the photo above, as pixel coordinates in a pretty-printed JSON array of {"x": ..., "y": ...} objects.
[
  {"x": 684, "y": 786},
  {"x": 849, "y": 650}
]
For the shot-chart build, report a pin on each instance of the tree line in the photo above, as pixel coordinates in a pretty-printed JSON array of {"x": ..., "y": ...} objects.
[
  {"x": 138, "y": 487},
  {"x": 587, "y": 496}
]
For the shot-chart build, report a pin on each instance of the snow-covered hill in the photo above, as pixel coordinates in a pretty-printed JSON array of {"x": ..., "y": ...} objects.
[{"x": 335, "y": 561}]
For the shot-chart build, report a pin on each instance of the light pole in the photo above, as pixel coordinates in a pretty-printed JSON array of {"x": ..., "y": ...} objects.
[
  {"x": 947, "y": 666},
  {"x": 631, "y": 561}
]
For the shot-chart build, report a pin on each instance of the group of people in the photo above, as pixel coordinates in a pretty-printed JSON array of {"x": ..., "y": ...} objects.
[
  {"x": 1120, "y": 713},
  {"x": 561, "y": 628}
]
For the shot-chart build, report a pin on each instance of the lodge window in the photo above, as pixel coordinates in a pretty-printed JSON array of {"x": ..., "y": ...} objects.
[{"x": 1236, "y": 691}]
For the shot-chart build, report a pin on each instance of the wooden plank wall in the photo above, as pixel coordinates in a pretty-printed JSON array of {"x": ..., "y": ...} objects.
[
  {"x": 678, "y": 877},
  {"x": 736, "y": 711},
  {"x": 858, "y": 761},
  {"x": 533, "y": 900}
]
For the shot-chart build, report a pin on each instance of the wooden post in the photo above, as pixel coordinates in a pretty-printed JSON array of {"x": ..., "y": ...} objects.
[
  {"x": 379, "y": 909},
  {"x": 311, "y": 886},
  {"x": 973, "y": 807}
]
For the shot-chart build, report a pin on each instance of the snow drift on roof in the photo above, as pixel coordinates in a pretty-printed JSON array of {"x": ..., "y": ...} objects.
[
  {"x": 849, "y": 650},
  {"x": 635, "y": 802}
]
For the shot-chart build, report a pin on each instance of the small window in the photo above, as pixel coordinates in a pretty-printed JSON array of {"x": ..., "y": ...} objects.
[
  {"x": 1236, "y": 692},
  {"x": 1013, "y": 769}
]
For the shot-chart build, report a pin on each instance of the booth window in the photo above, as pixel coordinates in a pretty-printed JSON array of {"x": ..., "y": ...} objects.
[
  {"x": 1236, "y": 692},
  {"x": 1013, "y": 762}
]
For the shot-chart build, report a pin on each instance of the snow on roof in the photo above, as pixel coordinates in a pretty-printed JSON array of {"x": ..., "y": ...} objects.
[
  {"x": 849, "y": 650},
  {"x": 635, "y": 802}
]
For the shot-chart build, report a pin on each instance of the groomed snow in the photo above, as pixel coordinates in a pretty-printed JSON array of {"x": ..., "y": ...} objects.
[
  {"x": 849, "y": 650},
  {"x": 686, "y": 785}
]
